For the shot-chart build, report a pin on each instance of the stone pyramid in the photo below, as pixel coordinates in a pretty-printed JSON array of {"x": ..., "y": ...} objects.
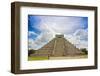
[{"x": 57, "y": 47}]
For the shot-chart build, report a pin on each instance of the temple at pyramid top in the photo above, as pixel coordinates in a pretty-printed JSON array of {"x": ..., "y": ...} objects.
[{"x": 59, "y": 36}]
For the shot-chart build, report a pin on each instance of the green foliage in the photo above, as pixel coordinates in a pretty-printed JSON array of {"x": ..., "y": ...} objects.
[
  {"x": 84, "y": 50},
  {"x": 31, "y": 51}
]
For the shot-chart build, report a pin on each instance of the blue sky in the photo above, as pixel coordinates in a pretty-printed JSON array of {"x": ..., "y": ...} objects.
[{"x": 41, "y": 29}]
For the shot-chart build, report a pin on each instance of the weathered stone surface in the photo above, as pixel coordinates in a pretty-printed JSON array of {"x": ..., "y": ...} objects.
[{"x": 58, "y": 47}]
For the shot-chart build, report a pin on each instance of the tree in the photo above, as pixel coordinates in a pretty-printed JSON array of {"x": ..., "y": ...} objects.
[
  {"x": 84, "y": 50},
  {"x": 31, "y": 51}
]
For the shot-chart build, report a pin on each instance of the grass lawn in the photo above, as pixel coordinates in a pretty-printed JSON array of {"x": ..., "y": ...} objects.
[
  {"x": 69, "y": 57},
  {"x": 32, "y": 58},
  {"x": 37, "y": 58}
]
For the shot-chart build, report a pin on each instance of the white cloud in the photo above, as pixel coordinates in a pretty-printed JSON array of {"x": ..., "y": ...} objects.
[
  {"x": 42, "y": 39},
  {"x": 79, "y": 38},
  {"x": 31, "y": 33},
  {"x": 64, "y": 25},
  {"x": 69, "y": 26}
]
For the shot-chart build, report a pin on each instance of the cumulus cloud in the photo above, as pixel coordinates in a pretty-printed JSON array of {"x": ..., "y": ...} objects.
[
  {"x": 41, "y": 40},
  {"x": 64, "y": 25},
  {"x": 79, "y": 38},
  {"x": 71, "y": 27}
]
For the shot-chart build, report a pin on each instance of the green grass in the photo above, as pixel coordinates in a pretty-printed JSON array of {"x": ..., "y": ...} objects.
[
  {"x": 69, "y": 57},
  {"x": 37, "y": 58},
  {"x": 32, "y": 58}
]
